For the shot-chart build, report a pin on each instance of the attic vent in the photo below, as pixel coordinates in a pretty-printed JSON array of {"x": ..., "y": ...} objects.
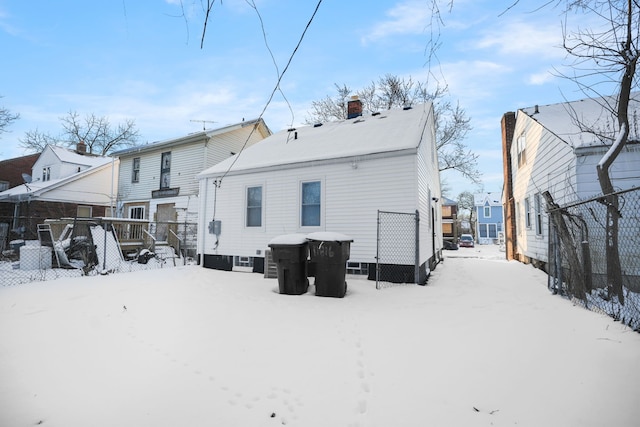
[
  {"x": 358, "y": 121},
  {"x": 377, "y": 113},
  {"x": 407, "y": 107},
  {"x": 291, "y": 129},
  {"x": 317, "y": 125}
]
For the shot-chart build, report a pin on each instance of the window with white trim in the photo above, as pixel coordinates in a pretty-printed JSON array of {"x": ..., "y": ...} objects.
[
  {"x": 310, "y": 206},
  {"x": 527, "y": 213},
  {"x": 136, "y": 212},
  {"x": 521, "y": 147},
  {"x": 538, "y": 213},
  {"x": 46, "y": 173},
  {"x": 83, "y": 211},
  {"x": 487, "y": 211},
  {"x": 165, "y": 170},
  {"x": 254, "y": 206},
  {"x": 135, "y": 171}
]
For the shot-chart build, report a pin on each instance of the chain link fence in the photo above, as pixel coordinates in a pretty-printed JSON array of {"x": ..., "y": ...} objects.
[
  {"x": 583, "y": 268},
  {"x": 40, "y": 249},
  {"x": 397, "y": 257}
]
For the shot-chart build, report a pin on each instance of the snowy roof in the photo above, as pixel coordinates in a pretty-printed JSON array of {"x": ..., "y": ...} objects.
[
  {"x": 448, "y": 202},
  {"x": 492, "y": 199},
  {"x": 387, "y": 131},
  {"x": 38, "y": 187},
  {"x": 571, "y": 121},
  {"x": 192, "y": 137},
  {"x": 69, "y": 156}
]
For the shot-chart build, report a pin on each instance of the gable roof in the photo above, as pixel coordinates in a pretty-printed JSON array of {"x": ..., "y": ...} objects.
[
  {"x": 569, "y": 120},
  {"x": 384, "y": 132},
  {"x": 195, "y": 137},
  {"x": 448, "y": 202},
  {"x": 487, "y": 199},
  {"x": 66, "y": 155},
  {"x": 37, "y": 187}
]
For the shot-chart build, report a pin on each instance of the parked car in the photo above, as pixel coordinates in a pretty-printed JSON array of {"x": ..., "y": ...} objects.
[
  {"x": 449, "y": 245},
  {"x": 466, "y": 241}
]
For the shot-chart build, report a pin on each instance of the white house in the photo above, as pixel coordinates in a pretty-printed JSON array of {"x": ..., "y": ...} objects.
[
  {"x": 158, "y": 181},
  {"x": 328, "y": 177},
  {"x": 78, "y": 181},
  {"x": 556, "y": 148}
]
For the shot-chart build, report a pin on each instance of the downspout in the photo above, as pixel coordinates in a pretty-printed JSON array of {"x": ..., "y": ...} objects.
[
  {"x": 203, "y": 206},
  {"x": 201, "y": 219}
]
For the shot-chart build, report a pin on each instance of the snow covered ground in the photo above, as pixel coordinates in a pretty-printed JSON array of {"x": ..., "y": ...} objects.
[{"x": 484, "y": 343}]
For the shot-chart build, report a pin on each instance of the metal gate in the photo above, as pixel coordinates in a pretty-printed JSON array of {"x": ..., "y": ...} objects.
[{"x": 397, "y": 252}]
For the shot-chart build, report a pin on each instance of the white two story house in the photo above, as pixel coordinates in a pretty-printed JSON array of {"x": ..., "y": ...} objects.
[{"x": 158, "y": 180}]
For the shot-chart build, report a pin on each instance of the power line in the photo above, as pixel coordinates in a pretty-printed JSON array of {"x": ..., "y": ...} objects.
[{"x": 275, "y": 89}]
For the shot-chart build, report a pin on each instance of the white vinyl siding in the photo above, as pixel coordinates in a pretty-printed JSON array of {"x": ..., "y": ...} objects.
[
  {"x": 385, "y": 184},
  {"x": 550, "y": 166},
  {"x": 92, "y": 189}
]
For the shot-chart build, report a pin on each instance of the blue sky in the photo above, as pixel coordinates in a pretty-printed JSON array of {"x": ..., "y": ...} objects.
[{"x": 141, "y": 60}]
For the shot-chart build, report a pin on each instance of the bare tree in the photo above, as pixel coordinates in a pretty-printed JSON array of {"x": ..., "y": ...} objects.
[
  {"x": 96, "y": 132},
  {"x": 452, "y": 123},
  {"x": 610, "y": 51},
  {"x": 6, "y": 118},
  {"x": 466, "y": 202}
]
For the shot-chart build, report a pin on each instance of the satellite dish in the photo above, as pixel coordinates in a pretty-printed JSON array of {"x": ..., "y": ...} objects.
[{"x": 26, "y": 178}]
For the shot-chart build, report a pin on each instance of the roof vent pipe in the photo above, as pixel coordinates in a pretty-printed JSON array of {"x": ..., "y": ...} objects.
[{"x": 295, "y": 135}]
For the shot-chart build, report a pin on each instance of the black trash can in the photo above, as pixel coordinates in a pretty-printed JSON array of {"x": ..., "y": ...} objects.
[
  {"x": 329, "y": 253},
  {"x": 290, "y": 253}
]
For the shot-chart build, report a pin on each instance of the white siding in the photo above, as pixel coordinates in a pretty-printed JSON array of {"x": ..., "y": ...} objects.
[
  {"x": 550, "y": 166},
  {"x": 187, "y": 160},
  {"x": 625, "y": 171},
  {"x": 47, "y": 159},
  {"x": 353, "y": 192},
  {"x": 94, "y": 188},
  {"x": 428, "y": 179}
]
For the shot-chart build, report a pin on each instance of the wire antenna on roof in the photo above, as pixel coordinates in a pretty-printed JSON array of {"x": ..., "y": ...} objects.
[{"x": 204, "y": 123}]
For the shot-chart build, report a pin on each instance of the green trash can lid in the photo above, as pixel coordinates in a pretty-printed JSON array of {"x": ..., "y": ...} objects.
[
  {"x": 288, "y": 240},
  {"x": 328, "y": 236}
]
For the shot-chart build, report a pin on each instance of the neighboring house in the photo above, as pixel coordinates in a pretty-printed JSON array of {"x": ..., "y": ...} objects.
[
  {"x": 158, "y": 181},
  {"x": 546, "y": 148},
  {"x": 450, "y": 232},
  {"x": 12, "y": 170},
  {"x": 61, "y": 183},
  {"x": 331, "y": 177},
  {"x": 12, "y": 173},
  {"x": 489, "y": 218}
]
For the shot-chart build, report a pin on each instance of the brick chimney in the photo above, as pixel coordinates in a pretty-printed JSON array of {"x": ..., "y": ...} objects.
[
  {"x": 508, "y": 125},
  {"x": 81, "y": 148},
  {"x": 354, "y": 107}
]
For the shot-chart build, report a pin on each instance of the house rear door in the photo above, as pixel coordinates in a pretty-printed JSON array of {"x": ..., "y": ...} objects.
[{"x": 165, "y": 213}]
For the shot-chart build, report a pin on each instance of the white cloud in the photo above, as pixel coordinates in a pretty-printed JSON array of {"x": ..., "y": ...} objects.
[
  {"x": 520, "y": 38},
  {"x": 409, "y": 17},
  {"x": 540, "y": 78}
]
